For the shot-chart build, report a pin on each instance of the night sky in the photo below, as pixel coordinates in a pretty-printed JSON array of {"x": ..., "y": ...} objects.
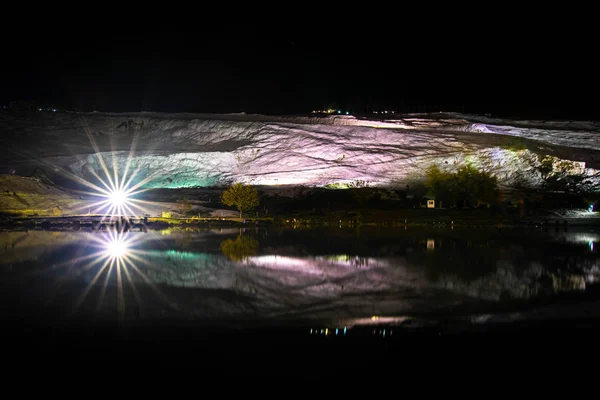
[{"x": 522, "y": 67}]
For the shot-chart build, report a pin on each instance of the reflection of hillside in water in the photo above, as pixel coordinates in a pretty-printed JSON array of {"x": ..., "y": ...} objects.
[
  {"x": 24, "y": 246},
  {"x": 188, "y": 269},
  {"x": 400, "y": 285},
  {"x": 277, "y": 275},
  {"x": 410, "y": 275}
]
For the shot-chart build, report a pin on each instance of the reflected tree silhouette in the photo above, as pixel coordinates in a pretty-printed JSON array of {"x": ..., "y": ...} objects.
[
  {"x": 240, "y": 248},
  {"x": 465, "y": 259}
]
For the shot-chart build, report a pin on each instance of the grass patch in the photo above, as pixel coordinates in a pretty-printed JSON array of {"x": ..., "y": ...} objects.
[{"x": 513, "y": 143}]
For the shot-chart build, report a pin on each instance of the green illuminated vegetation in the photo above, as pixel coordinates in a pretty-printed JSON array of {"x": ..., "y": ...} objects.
[
  {"x": 358, "y": 184},
  {"x": 32, "y": 197},
  {"x": 563, "y": 175},
  {"x": 513, "y": 143},
  {"x": 467, "y": 187},
  {"x": 243, "y": 197},
  {"x": 546, "y": 166},
  {"x": 336, "y": 186}
]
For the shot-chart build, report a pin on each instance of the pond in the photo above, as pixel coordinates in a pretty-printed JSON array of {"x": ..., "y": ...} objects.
[{"x": 304, "y": 277}]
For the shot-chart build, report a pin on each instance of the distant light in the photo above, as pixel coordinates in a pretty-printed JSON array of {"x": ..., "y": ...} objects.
[
  {"x": 118, "y": 198},
  {"x": 347, "y": 113},
  {"x": 591, "y": 208}
]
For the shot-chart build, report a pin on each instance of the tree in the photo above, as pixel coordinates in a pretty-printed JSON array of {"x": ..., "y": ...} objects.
[
  {"x": 243, "y": 197},
  {"x": 442, "y": 185},
  {"x": 476, "y": 186},
  {"x": 467, "y": 186}
]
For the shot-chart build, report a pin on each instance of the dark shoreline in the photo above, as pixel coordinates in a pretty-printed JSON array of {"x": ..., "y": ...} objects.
[{"x": 86, "y": 223}]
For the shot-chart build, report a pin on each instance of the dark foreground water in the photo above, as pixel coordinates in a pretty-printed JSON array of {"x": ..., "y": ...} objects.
[{"x": 325, "y": 282}]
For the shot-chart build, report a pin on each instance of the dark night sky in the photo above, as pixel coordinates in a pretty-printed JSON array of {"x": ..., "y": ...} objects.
[{"x": 541, "y": 68}]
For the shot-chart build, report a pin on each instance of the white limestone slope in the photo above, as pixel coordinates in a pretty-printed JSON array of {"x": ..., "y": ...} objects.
[{"x": 184, "y": 150}]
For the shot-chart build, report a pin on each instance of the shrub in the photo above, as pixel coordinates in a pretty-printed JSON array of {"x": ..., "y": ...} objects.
[{"x": 467, "y": 186}]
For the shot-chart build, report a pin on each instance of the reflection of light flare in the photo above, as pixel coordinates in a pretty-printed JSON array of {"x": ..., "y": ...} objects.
[
  {"x": 116, "y": 248},
  {"x": 115, "y": 257}
]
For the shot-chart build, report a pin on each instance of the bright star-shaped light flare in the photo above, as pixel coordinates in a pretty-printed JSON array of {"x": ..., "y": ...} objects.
[
  {"x": 117, "y": 202},
  {"x": 116, "y": 248},
  {"x": 118, "y": 198},
  {"x": 116, "y": 184}
]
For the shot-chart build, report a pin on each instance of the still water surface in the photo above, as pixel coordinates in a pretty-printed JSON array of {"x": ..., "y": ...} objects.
[{"x": 228, "y": 276}]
